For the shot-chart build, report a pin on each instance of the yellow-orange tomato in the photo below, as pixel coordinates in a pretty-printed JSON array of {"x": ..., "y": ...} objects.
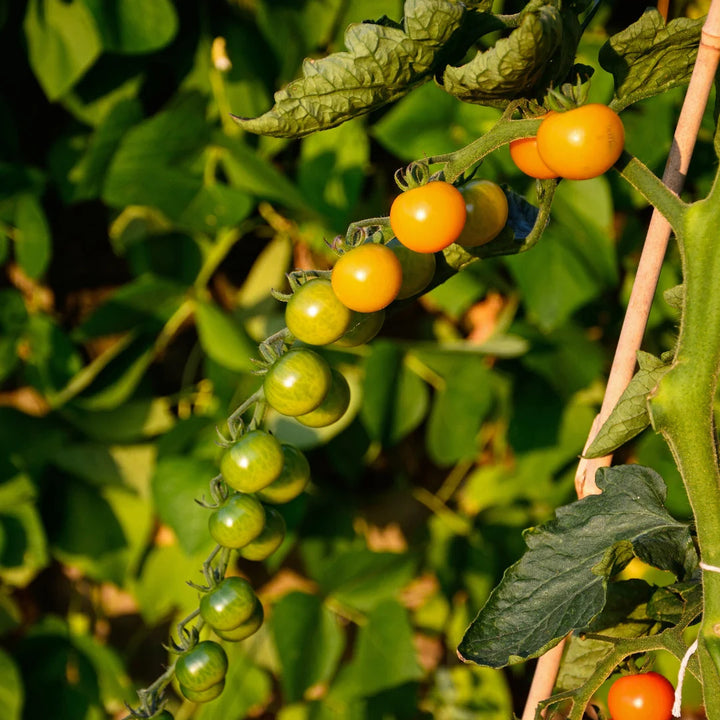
[
  {"x": 524, "y": 154},
  {"x": 487, "y": 212},
  {"x": 581, "y": 143},
  {"x": 428, "y": 218},
  {"x": 367, "y": 278}
]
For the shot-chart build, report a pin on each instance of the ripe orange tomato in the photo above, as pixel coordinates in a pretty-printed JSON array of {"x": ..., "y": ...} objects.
[
  {"x": 524, "y": 154},
  {"x": 367, "y": 278},
  {"x": 428, "y": 218},
  {"x": 487, "y": 212},
  {"x": 582, "y": 143},
  {"x": 644, "y": 696}
]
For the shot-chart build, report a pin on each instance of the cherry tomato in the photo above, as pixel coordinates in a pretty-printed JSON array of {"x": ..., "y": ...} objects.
[
  {"x": 582, "y": 143},
  {"x": 269, "y": 540},
  {"x": 314, "y": 315},
  {"x": 487, "y": 212},
  {"x": 237, "y": 522},
  {"x": 253, "y": 462},
  {"x": 363, "y": 328},
  {"x": 202, "y": 666},
  {"x": 246, "y": 629},
  {"x": 428, "y": 218},
  {"x": 229, "y": 603},
  {"x": 201, "y": 696},
  {"x": 293, "y": 478},
  {"x": 367, "y": 278},
  {"x": 418, "y": 269},
  {"x": 333, "y": 407},
  {"x": 524, "y": 154},
  {"x": 297, "y": 382},
  {"x": 645, "y": 696}
]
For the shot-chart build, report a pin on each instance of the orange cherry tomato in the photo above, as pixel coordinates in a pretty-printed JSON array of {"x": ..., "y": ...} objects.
[
  {"x": 582, "y": 143},
  {"x": 367, "y": 278},
  {"x": 644, "y": 696},
  {"x": 428, "y": 218},
  {"x": 524, "y": 154}
]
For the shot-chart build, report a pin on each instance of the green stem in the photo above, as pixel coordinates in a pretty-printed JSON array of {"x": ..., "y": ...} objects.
[
  {"x": 653, "y": 189},
  {"x": 682, "y": 411}
]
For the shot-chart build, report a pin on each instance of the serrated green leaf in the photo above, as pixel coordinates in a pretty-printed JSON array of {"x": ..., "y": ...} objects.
[
  {"x": 515, "y": 65},
  {"x": 309, "y": 643},
  {"x": 33, "y": 247},
  {"x": 560, "y": 583},
  {"x": 382, "y": 63},
  {"x": 63, "y": 43},
  {"x": 630, "y": 416},
  {"x": 674, "y": 297},
  {"x": 649, "y": 57}
]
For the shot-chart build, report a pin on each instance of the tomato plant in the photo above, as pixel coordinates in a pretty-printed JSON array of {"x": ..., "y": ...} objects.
[
  {"x": 314, "y": 315},
  {"x": 297, "y": 382},
  {"x": 252, "y": 462},
  {"x": 367, "y": 278},
  {"x": 201, "y": 667},
  {"x": 229, "y": 603},
  {"x": 487, "y": 212},
  {"x": 293, "y": 479},
  {"x": 267, "y": 542},
  {"x": 581, "y": 143},
  {"x": 333, "y": 407},
  {"x": 238, "y": 521},
  {"x": 428, "y": 218},
  {"x": 643, "y": 696},
  {"x": 418, "y": 269}
]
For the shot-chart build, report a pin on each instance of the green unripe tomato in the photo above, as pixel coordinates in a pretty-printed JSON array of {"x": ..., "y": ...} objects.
[
  {"x": 363, "y": 328},
  {"x": 314, "y": 315},
  {"x": 292, "y": 481},
  {"x": 418, "y": 269},
  {"x": 202, "y": 666},
  {"x": 229, "y": 603},
  {"x": 202, "y": 696},
  {"x": 246, "y": 629},
  {"x": 297, "y": 382},
  {"x": 333, "y": 407},
  {"x": 269, "y": 540},
  {"x": 237, "y": 522},
  {"x": 252, "y": 462}
]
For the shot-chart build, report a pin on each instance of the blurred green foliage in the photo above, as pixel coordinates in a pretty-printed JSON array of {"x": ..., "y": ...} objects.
[{"x": 141, "y": 231}]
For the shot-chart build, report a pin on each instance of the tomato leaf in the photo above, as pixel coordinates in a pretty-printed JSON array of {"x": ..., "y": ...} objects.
[
  {"x": 524, "y": 63},
  {"x": 383, "y": 62},
  {"x": 560, "y": 583},
  {"x": 33, "y": 247},
  {"x": 668, "y": 604},
  {"x": 630, "y": 416},
  {"x": 648, "y": 57}
]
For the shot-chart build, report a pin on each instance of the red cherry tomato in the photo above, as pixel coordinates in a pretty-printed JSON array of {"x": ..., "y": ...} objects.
[{"x": 644, "y": 696}]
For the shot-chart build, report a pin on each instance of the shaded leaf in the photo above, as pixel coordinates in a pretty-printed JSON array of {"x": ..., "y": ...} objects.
[
  {"x": 33, "y": 246},
  {"x": 11, "y": 688},
  {"x": 560, "y": 583},
  {"x": 649, "y": 57},
  {"x": 630, "y": 416},
  {"x": 668, "y": 604},
  {"x": 223, "y": 338},
  {"x": 382, "y": 63}
]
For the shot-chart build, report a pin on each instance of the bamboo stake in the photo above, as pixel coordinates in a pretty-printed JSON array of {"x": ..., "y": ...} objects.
[{"x": 641, "y": 298}]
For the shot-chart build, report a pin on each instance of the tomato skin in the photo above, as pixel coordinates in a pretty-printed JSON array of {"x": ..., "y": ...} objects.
[
  {"x": 228, "y": 604},
  {"x": 267, "y": 542},
  {"x": 525, "y": 155},
  {"x": 418, "y": 269},
  {"x": 487, "y": 212},
  {"x": 363, "y": 328},
  {"x": 582, "y": 143},
  {"x": 202, "y": 666},
  {"x": 314, "y": 315},
  {"x": 246, "y": 629},
  {"x": 367, "y": 278},
  {"x": 237, "y": 522},
  {"x": 428, "y": 218},
  {"x": 292, "y": 481},
  {"x": 252, "y": 462},
  {"x": 333, "y": 407},
  {"x": 200, "y": 696},
  {"x": 297, "y": 382},
  {"x": 645, "y": 696}
]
